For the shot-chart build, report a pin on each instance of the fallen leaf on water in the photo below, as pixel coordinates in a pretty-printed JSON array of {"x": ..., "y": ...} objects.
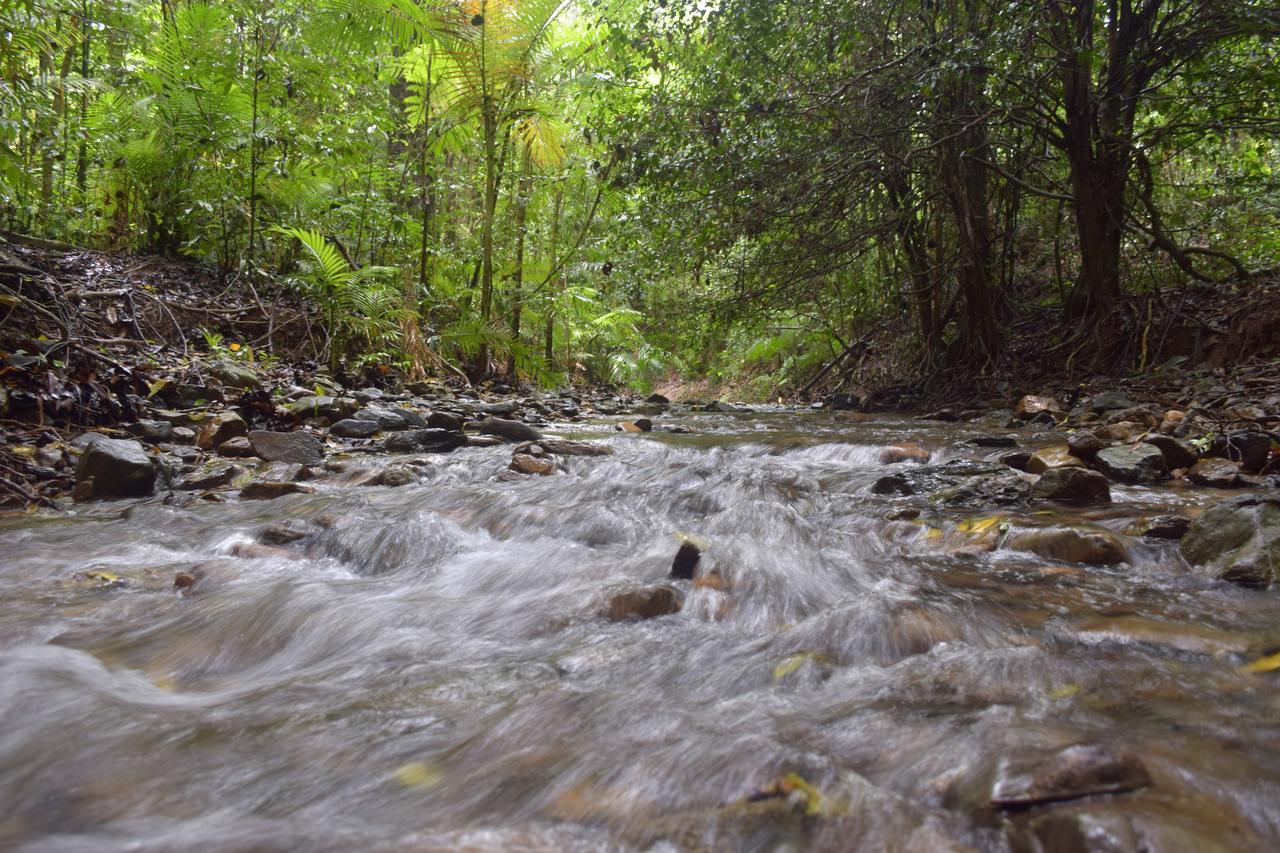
[
  {"x": 794, "y": 787},
  {"x": 1064, "y": 691},
  {"x": 417, "y": 774},
  {"x": 1270, "y": 663},
  {"x": 980, "y": 525},
  {"x": 105, "y": 578}
]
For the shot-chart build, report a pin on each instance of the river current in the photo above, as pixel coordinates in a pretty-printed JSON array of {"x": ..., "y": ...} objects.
[{"x": 429, "y": 667}]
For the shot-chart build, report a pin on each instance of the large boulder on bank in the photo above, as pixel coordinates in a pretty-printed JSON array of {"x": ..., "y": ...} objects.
[
  {"x": 297, "y": 448},
  {"x": 114, "y": 468},
  {"x": 424, "y": 441},
  {"x": 1238, "y": 540},
  {"x": 1141, "y": 464}
]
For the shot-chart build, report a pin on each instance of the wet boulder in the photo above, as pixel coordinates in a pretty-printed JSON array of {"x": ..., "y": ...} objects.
[
  {"x": 114, "y": 468},
  {"x": 1079, "y": 771},
  {"x": 647, "y": 603},
  {"x": 1177, "y": 453},
  {"x": 424, "y": 441},
  {"x": 265, "y": 490},
  {"x": 1072, "y": 485},
  {"x": 525, "y": 464},
  {"x": 356, "y": 428},
  {"x": 1069, "y": 545},
  {"x": 1141, "y": 464},
  {"x": 1238, "y": 540},
  {"x": 1171, "y": 527},
  {"x": 1084, "y": 445},
  {"x": 994, "y": 441},
  {"x": 1250, "y": 449},
  {"x": 960, "y": 482},
  {"x": 564, "y": 447},
  {"x": 1049, "y": 458},
  {"x": 298, "y": 448},
  {"x": 512, "y": 431},
  {"x": 1215, "y": 473}
]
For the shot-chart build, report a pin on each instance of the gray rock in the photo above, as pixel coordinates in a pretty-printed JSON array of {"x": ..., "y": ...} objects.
[
  {"x": 300, "y": 448},
  {"x": 424, "y": 441},
  {"x": 411, "y": 418},
  {"x": 114, "y": 468},
  {"x": 233, "y": 375},
  {"x": 85, "y": 439},
  {"x": 1237, "y": 540},
  {"x": 444, "y": 420},
  {"x": 513, "y": 431},
  {"x": 368, "y": 395},
  {"x": 1109, "y": 401},
  {"x": 1072, "y": 485},
  {"x": 562, "y": 447},
  {"x": 384, "y": 418},
  {"x": 152, "y": 432},
  {"x": 396, "y": 475},
  {"x": 958, "y": 483},
  {"x": 505, "y": 407},
  {"x": 356, "y": 428},
  {"x": 994, "y": 441},
  {"x": 1141, "y": 464}
]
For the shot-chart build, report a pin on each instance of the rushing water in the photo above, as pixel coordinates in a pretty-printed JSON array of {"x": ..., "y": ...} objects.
[{"x": 430, "y": 669}]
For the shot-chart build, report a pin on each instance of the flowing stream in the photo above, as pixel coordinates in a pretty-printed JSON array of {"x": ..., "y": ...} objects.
[{"x": 430, "y": 669}]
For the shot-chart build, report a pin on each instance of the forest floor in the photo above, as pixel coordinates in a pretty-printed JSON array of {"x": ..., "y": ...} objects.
[{"x": 196, "y": 366}]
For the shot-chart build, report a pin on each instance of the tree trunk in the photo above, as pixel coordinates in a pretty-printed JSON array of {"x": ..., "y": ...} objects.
[{"x": 523, "y": 190}]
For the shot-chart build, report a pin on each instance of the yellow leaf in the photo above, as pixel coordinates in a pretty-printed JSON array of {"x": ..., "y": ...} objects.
[
  {"x": 1270, "y": 663},
  {"x": 980, "y": 525},
  {"x": 105, "y": 577},
  {"x": 1064, "y": 691},
  {"x": 794, "y": 783},
  {"x": 791, "y": 664},
  {"x": 417, "y": 774},
  {"x": 233, "y": 347}
]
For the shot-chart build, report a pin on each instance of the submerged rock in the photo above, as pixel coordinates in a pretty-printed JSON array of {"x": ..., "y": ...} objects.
[
  {"x": 1238, "y": 541},
  {"x": 564, "y": 447},
  {"x": 265, "y": 490},
  {"x": 1095, "y": 547},
  {"x": 526, "y": 464},
  {"x": 1075, "y": 772},
  {"x": 958, "y": 483},
  {"x": 639, "y": 604},
  {"x": 215, "y": 477},
  {"x": 114, "y": 468},
  {"x": 1161, "y": 527}
]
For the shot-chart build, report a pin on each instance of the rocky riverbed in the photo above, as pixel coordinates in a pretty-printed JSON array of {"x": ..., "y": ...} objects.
[{"x": 438, "y": 618}]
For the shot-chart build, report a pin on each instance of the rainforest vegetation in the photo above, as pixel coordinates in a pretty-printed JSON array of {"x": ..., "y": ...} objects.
[{"x": 626, "y": 190}]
